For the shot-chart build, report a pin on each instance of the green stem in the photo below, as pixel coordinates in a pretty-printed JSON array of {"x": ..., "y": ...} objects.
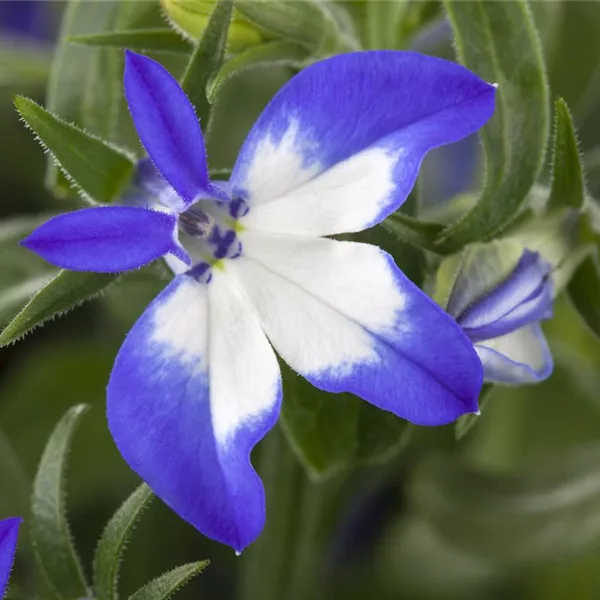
[
  {"x": 264, "y": 563},
  {"x": 306, "y": 558},
  {"x": 286, "y": 561}
]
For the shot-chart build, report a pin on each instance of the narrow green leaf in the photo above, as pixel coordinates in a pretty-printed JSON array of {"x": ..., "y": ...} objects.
[
  {"x": 81, "y": 87},
  {"x": 584, "y": 292},
  {"x": 207, "y": 59},
  {"x": 568, "y": 185},
  {"x": 166, "y": 585},
  {"x": 99, "y": 170},
  {"x": 466, "y": 422},
  {"x": 270, "y": 54},
  {"x": 383, "y": 24},
  {"x": 499, "y": 42},
  {"x": 50, "y": 529},
  {"x": 421, "y": 234},
  {"x": 66, "y": 291},
  {"x": 22, "y": 273},
  {"x": 111, "y": 546},
  {"x": 151, "y": 40}
]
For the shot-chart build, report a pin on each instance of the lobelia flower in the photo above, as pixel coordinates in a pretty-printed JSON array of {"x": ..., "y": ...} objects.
[
  {"x": 9, "y": 531},
  {"x": 504, "y": 324},
  {"x": 196, "y": 383}
]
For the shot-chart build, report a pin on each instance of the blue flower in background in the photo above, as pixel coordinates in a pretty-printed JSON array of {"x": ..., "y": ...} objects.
[
  {"x": 27, "y": 18},
  {"x": 196, "y": 384},
  {"x": 9, "y": 531},
  {"x": 504, "y": 324}
]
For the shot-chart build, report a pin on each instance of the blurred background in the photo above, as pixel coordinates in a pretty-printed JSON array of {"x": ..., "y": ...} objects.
[{"x": 510, "y": 510}]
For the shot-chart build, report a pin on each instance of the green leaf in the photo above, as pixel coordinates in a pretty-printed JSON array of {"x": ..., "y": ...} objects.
[
  {"x": 383, "y": 24},
  {"x": 322, "y": 428},
  {"x": 100, "y": 171},
  {"x": 467, "y": 422},
  {"x": 66, "y": 291},
  {"x": 22, "y": 273},
  {"x": 269, "y": 54},
  {"x": 207, "y": 59},
  {"x": 511, "y": 518},
  {"x": 381, "y": 434},
  {"x": 584, "y": 292},
  {"x": 568, "y": 185},
  {"x": 333, "y": 432},
  {"x": 151, "y": 40},
  {"x": 111, "y": 546},
  {"x": 499, "y": 42},
  {"x": 50, "y": 530},
  {"x": 421, "y": 234},
  {"x": 83, "y": 82},
  {"x": 166, "y": 585}
]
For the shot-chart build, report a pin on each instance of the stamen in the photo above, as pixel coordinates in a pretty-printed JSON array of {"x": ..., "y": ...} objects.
[{"x": 196, "y": 223}]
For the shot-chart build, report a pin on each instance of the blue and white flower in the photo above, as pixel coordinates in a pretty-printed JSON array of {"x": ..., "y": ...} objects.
[
  {"x": 504, "y": 325},
  {"x": 9, "y": 532},
  {"x": 196, "y": 384}
]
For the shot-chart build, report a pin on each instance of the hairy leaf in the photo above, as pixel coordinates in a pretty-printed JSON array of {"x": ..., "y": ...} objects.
[
  {"x": 64, "y": 292},
  {"x": 499, "y": 42},
  {"x": 568, "y": 185},
  {"x": 207, "y": 59},
  {"x": 50, "y": 530},
  {"x": 22, "y": 273},
  {"x": 111, "y": 545},
  {"x": 99, "y": 170},
  {"x": 166, "y": 585}
]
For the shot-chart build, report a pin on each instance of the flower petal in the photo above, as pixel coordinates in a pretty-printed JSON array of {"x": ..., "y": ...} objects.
[
  {"x": 167, "y": 125},
  {"x": 186, "y": 423},
  {"x": 345, "y": 317},
  {"x": 338, "y": 149},
  {"x": 522, "y": 356},
  {"x": 9, "y": 531},
  {"x": 525, "y": 296},
  {"x": 149, "y": 189},
  {"x": 106, "y": 239}
]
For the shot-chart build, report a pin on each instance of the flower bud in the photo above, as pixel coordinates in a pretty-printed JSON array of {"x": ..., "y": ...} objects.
[
  {"x": 499, "y": 293},
  {"x": 190, "y": 17}
]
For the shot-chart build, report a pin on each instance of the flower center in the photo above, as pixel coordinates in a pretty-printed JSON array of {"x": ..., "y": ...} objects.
[
  {"x": 196, "y": 223},
  {"x": 209, "y": 231}
]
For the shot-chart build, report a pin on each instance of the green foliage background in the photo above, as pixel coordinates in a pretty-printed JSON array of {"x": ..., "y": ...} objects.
[{"x": 511, "y": 510}]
